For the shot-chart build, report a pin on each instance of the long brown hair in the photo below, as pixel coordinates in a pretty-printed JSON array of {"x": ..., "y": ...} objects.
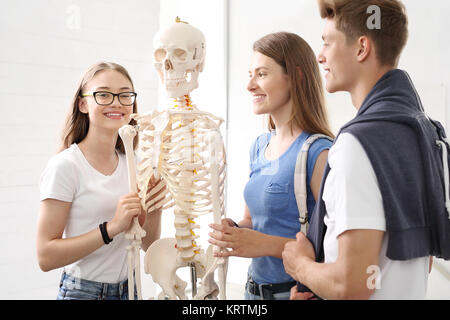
[
  {"x": 298, "y": 61},
  {"x": 77, "y": 123}
]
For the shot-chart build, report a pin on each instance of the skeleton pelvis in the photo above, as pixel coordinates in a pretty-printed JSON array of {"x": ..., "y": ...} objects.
[
  {"x": 162, "y": 260},
  {"x": 161, "y": 263}
]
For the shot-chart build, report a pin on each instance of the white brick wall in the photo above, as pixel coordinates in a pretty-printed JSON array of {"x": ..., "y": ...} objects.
[{"x": 45, "y": 47}]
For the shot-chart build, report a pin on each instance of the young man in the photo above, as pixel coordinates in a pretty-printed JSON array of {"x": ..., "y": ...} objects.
[{"x": 381, "y": 208}]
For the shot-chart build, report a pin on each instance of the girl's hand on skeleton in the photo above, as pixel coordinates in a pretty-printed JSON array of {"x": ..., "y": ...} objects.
[
  {"x": 128, "y": 207},
  {"x": 243, "y": 242},
  {"x": 228, "y": 222}
]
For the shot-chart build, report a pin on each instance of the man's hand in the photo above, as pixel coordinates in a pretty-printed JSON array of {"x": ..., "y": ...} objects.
[
  {"x": 294, "y": 251},
  {"x": 295, "y": 295}
]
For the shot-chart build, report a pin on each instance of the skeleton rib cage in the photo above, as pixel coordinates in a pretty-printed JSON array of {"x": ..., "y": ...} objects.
[{"x": 187, "y": 151}]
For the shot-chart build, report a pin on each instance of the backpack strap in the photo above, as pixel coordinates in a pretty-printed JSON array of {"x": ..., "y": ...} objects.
[
  {"x": 443, "y": 144},
  {"x": 300, "y": 180}
]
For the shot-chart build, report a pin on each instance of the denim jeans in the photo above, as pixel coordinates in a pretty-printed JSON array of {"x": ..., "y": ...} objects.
[{"x": 71, "y": 288}]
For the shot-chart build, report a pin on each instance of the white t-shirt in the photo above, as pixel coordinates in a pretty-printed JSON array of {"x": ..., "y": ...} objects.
[
  {"x": 69, "y": 177},
  {"x": 353, "y": 201}
]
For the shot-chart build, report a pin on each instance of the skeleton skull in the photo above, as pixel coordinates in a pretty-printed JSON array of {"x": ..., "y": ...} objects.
[{"x": 179, "y": 57}]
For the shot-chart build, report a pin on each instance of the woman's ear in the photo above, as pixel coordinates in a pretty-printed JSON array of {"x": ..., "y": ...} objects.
[
  {"x": 364, "y": 48},
  {"x": 82, "y": 105},
  {"x": 300, "y": 72}
]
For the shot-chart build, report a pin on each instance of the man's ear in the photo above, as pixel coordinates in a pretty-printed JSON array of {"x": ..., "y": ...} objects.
[
  {"x": 82, "y": 105},
  {"x": 364, "y": 47}
]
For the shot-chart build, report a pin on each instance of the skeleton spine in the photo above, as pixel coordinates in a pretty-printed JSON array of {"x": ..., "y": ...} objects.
[{"x": 184, "y": 220}]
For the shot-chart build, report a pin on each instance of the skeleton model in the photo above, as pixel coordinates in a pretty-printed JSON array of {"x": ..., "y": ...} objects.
[{"x": 183, "y": 146}]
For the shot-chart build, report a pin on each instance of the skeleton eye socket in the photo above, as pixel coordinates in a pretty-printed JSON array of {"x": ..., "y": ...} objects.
[
  {"x": 160, "y": 54},
  {"x": 180, "y": 54}
]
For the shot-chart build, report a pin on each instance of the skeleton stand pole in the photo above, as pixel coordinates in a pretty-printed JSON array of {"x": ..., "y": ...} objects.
[{"x": 193, "y": 279}]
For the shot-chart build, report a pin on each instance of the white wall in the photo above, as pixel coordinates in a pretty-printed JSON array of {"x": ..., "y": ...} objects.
[
  {"x": 424, "y": 58},
  {"x": 45, "y": 48}
]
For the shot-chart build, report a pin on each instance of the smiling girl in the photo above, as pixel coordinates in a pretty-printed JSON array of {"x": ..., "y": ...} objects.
[
  {"x": 286, "y": 85},
  {"x": 85, "y": 202}
]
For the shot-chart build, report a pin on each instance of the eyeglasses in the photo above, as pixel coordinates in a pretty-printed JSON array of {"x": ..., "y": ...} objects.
[{"x": 105, "y": 98}]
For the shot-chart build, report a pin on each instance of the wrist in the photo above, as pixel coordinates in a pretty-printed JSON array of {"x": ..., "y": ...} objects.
[
  {"x": 105, "y": 236},
  {"x": 245, "y": 224},
  {"x": 111, "y": 229},
  {"x": 301, "y": 267}
]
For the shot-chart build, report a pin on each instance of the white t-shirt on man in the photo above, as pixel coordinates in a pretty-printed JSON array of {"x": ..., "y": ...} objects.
[
  {"x": 69, "y": 177},
  {"x": 353, "y": 201}
]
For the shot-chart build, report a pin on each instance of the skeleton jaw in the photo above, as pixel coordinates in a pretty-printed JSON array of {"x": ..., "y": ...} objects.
[{"x": 178, "y": 84}]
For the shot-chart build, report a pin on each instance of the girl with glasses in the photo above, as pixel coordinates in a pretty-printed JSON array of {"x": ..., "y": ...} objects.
[{"x": 85, "y": 202}]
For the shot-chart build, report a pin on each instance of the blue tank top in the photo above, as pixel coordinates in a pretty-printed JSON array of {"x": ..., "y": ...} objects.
[{"x": 269, "y": 195}]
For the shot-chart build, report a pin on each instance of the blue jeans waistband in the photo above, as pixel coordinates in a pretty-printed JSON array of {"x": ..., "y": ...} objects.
[{"x": 100, "y": 289}]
